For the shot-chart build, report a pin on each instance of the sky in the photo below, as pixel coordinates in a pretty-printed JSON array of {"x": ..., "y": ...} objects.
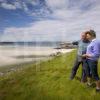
[{"x": 48, "y": 20}]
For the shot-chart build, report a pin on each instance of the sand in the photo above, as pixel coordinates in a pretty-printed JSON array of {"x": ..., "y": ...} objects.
[{"x": 14, "y": 55}]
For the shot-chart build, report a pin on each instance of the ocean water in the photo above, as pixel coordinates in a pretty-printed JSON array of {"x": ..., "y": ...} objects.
[
  {"x": 32, "y": 44},
  {"x": 19, "y": 52}
]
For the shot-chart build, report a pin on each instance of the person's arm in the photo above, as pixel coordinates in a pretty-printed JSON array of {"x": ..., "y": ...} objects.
[
  {"x": 75, "y": 42},
  {"x": 96, "y": 50},
  {"x": 95, "y": 53}
]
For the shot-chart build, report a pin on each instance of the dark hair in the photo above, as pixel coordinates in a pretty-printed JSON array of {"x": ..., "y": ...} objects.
[
  {"x": 87, "y": 32},
  {"x": 91, "y": 32}
]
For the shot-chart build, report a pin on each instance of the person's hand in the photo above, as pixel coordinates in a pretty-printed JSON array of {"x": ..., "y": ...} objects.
[{"x": 86, "y": 55}]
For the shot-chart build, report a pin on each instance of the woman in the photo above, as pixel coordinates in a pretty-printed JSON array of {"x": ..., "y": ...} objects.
[{"x": 92, "y": 55}]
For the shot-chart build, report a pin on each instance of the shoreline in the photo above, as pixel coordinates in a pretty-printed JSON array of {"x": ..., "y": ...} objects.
[
  {"x": 15, "y": 59},
  {"x": 19, "y": 66},
  {"x": 12, "y": 55}
]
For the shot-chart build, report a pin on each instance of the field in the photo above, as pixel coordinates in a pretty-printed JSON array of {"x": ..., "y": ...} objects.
[{"x": 48, "y": 80}]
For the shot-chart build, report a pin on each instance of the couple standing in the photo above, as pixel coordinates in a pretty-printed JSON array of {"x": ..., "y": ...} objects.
[{"x": 88, "y": 55}]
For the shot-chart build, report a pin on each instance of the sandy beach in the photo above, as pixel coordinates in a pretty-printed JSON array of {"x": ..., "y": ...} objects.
[{"x": 14, "y": 55}]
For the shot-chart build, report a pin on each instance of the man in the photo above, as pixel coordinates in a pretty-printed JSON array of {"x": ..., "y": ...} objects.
[
  {"x": 92, "y": 55},
  {"x": 82, "y": 46}
]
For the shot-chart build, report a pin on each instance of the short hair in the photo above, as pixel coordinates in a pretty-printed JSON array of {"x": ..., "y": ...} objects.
[
  {"x": 91, "y": 32},
  {"x": 87, "y": 32}
]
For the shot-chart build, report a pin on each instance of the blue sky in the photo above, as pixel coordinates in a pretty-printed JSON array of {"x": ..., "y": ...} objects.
[{"x": 47, "y": 20}]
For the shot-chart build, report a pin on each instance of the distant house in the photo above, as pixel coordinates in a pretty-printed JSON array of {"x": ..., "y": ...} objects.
[{"x": 65, "y": 45}]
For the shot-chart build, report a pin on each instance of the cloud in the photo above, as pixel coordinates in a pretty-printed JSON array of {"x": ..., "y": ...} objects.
[
  {"x": 15, "y": 5},
  {"x": 70, "y": 18},
  {"x": 57, "y": 4},
  {"x": 8, "y": 6},
  {"x": 49, "y": 30},
  {"x": 39, "y": 31}
]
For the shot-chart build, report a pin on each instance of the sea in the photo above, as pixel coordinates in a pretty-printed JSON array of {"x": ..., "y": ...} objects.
[
  {"x": 17, "y": 52},
  {"x": 32, "y": 44}
]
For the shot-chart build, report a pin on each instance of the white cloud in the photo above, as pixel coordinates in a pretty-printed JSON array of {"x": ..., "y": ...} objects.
[
  {"x": 8, "y": 6},
  {"x": 50, "y": 30},
  {"x": 57, "y": 4},
  {"x": 42, "y": 30},
  {"x": 15, "y": 5},
  {"x": 68, "y": 25}
]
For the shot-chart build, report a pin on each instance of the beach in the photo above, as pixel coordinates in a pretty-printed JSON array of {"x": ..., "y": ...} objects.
[{"x": 21, "y": 54}]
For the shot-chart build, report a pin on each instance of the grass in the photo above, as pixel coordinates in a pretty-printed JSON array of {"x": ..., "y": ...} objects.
[{"x": 46, "y": 81}]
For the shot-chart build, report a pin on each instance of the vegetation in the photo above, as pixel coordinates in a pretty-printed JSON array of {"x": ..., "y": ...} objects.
[{"x": 47, "y": 80}]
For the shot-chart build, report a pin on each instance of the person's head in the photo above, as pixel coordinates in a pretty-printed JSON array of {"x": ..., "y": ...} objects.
[
  {"x": 83, "y": 36},
  {"x": 91, "y": 35}
]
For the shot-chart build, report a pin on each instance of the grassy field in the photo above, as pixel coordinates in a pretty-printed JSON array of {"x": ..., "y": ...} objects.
[{"x": 46, "y": 81}]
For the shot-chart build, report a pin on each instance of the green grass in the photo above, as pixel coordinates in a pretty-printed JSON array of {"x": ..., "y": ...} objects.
[{"x": 46, "y": 81}]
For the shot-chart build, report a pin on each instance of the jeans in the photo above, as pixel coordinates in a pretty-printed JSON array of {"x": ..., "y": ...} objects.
[
  {"x": 92, "y": 67},
  {"x": 76, "y": 66}
]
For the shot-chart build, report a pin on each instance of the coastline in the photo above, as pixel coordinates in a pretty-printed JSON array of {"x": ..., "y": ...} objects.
[
  {"x": 14, "y": 58},
  {"x": 13, "y": 55}
]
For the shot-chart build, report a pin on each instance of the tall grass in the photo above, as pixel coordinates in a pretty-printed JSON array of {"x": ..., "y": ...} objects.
[{"x": 46, "y": 81}]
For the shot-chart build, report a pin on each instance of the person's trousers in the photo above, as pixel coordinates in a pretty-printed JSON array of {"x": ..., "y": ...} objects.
[
  {"x": 92, "y": 67},
  {"x": 76, "y": 66}
]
